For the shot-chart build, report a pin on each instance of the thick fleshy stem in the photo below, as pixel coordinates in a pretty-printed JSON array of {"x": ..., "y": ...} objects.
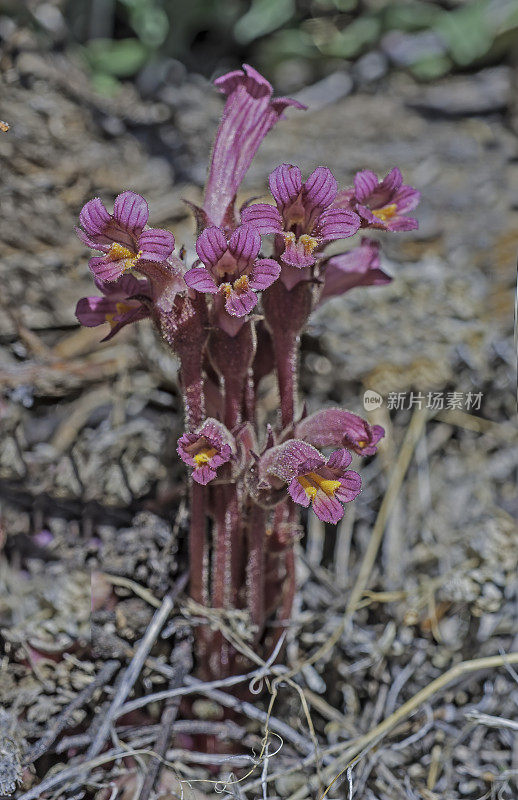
[
  {"x": 199, "y": 562},
  {"x": 286, "y": 313},
  {"x": 255, "y": 568},
  {"x": 185, "y": 330},
  {"x": 227, "y": 547},
  {"x": 231, "y": 357},
  {"x": 286, "y": 348},
  {"x": 191, "y": 378},
  {"x": 280, "y": 566}
]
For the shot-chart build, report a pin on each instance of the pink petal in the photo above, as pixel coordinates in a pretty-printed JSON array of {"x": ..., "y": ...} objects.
[
  {"x": 239, "y": 304},
  {"x": 91, "y": 311},
  {"x": 357, "y": 267},
  {"x": 127, "y": 286},
  {"x": 248, "y": 116},
  {"x": 402, "y": 224},
  {"x": 265, "y": 272},
  {"x": 94, "y": 217},
  {"x": 255, "y": 84},
  {"x": 286, "y": 460},
  {"x": 350, "y": 487},
  {"x": 211, "y": 245},
  {"x": 337, "y": 223},
  {"x": 125, "y": 319},
  {"x": 328, "y": 509},
  {"x": 131, "y": 211},
  {"x": 295, "y": 255},
  {"x": 264, "y": 217},
  {"x": 156, "y": 244},
  {"x": 320, "y": 189},
  {"x": 297, "y": 493},
  {"x": 340, "y": 459},
  {"x": 203, "y": 474},
  {"x": 244, "y": 245},
  {"x": 365, "y": 182},
  {"x": 200, "y": 279},
  {"x": 285, "y": 184},
  {"x": 345, "y": 199},
  {"x": 392, "y": 181},
  {"x": 377, "y": 433},
  {"x": 105, "y": 269},
  {"x": 406, "y": 199},
  {"x": 92, "y": 242}
]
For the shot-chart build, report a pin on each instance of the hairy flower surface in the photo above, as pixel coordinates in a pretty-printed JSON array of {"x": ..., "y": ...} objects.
[
  {"x": 122, "y": 237},
  {"x": 249, "y": 113},
  {"x": 326, "y": 484},
  {"x": 382, "y": 204},
  {"x": 358, "y": 267},
  {"x": 118, "y": 304},
  {"x": 333, "y": 427},
  {"x": 206, "y": 450},
  {"x": 232, "y": 268},
  {"x": 304, "y": 214}
]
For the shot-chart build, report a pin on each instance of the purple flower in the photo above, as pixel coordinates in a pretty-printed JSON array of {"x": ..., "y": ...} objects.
[
  {"x": 336, "y": 427},
  {"x": 121, "y": 236},
  {"x": 382, "y": 204},
  {"x": 208, "y": 448},
  {"x": 305, "y": 214},
  {"x": 118, "y": 304},
  {"x": 232, "y": 268},
  {"x": 359, "y": 267},
  {"x": 326, "y": 484},
  {"x": 249, "y": 113}
]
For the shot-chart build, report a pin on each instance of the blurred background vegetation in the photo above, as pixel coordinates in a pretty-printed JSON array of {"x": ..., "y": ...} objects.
[{"x": 294, "y": 42}]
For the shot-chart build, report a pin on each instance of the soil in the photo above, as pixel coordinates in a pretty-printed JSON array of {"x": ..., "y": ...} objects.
[{"x": 90, "y": 483}]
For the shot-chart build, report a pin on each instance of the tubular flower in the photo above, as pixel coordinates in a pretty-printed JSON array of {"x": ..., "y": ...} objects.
[
  {"x": 304, "y": 214},
  {"x": 121, "y": 236},
  {"x": 359, "y": 267},
  {"x": 249, "y": 113},
  {"x": 206, "y": 450},
  {"x": 382, "y": 204},
  {"x": 119, "y": 304},
  {"x": 326, "y": 484},
  {"x": 232, "y": 268},
  {"x": 336, "y": 427}
]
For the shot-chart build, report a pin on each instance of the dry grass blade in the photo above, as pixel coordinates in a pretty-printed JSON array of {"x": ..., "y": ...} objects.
[{"x": 377, "y": 733}]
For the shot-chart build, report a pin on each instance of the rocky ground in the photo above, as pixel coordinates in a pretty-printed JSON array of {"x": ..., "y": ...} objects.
[{"x": 89, "y": 479}]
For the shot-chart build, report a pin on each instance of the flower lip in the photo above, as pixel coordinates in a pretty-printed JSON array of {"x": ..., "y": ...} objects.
[
  {"x": 120, "y": 302},
  {"x": 232, "y": 268},
  {"x": 325, "y": 484},
  {"x": 121, "y": 237},
  {"x": 334, "y": 427},
  {"x": 304, "y": 213},
  {"x": 207, "y": 449},
  {"x": 382, "y": 204}
]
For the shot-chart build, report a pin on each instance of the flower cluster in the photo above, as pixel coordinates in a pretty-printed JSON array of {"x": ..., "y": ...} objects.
[{"x": 233, "y": 313}]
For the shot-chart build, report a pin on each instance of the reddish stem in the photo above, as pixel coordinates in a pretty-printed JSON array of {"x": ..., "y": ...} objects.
[
  {"x": 226, "y": 568},
  {"x": 198, "y": 564},
  {"x": 255, "y": 568},
  {"x": 286, "y": 360},
  {"x": 198, "y": 554}
]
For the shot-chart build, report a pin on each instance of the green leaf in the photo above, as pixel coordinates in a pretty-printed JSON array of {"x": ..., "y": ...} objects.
[
  {"x": 467, "y": 32},
  {"x": 264, "y": 16},
  {"x": 121, "y": 58}
]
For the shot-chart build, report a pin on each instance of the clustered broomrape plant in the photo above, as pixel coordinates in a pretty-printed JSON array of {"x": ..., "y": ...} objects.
[{"x": 234, "y": 317}]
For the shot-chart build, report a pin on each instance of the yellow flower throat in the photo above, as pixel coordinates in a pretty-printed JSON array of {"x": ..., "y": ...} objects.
[
  {"x": 311, "y": 483},
  {"x": 204, "y": 456},
  {"x": 118, "y": 252},
  {"x": 385, "y": 213}
]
